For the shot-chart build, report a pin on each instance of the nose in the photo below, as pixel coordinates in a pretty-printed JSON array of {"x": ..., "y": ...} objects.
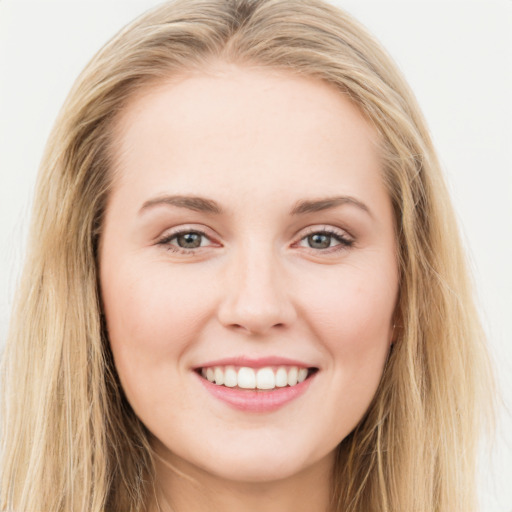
[{"x": 256, "y": 297}]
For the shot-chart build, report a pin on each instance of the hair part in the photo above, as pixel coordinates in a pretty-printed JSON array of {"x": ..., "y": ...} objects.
[{"x": 72, "y": 442}]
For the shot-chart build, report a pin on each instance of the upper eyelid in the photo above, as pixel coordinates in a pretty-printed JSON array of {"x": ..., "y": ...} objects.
[
  {"x": 344, "y": 238},
  {"x": 331, "y": 230},
  {"x": 173, "y": 232}
]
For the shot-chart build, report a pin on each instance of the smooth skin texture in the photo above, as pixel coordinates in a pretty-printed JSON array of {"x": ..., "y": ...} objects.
[{"x": 258, "y": 143}]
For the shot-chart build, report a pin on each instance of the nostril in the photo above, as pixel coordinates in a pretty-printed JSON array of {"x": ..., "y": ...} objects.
[{"x": 256, "y": 328}]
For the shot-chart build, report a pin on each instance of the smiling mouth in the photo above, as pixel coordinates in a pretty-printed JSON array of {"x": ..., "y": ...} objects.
[{"x": 266, "y": 378}]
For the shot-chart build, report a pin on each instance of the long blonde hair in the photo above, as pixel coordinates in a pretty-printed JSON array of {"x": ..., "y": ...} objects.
[{"x": 71, "y": 442}]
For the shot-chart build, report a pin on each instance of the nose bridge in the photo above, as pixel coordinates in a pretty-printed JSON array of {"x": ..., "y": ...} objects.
[{"x": 255, "y": 297}]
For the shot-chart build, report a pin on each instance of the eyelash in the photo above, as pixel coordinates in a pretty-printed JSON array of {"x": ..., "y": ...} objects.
[{"x": 344, "y": 241}]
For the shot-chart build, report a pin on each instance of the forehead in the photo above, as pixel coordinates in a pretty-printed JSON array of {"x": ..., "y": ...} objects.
[{"x": 262, "y": 131}]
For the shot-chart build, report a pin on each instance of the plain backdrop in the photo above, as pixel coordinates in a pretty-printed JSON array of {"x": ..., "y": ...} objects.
[{"x": 457, "y": 57}]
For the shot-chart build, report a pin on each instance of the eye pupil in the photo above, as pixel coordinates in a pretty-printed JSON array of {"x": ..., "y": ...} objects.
[
  {"x": 319, "y": 241},
  {"x": 189, "y": 240}
]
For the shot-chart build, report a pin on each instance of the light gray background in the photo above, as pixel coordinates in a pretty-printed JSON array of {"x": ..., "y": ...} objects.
[{"x": 455, "y": 54}]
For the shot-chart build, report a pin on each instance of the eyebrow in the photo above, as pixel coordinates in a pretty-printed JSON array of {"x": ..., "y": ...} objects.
[
  {"x": 198, "y": 204},
  {"x": 317, "y": 205},
  {"x": 201, "y": 204}
]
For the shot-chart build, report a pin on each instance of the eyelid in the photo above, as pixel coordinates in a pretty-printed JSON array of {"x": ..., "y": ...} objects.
[
  {"x": 186, "y": 228},
  {"x": 328, "y": 229}
]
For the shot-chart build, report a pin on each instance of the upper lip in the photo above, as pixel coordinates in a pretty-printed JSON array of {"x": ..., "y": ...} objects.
[{"x": 252, "y": 362}]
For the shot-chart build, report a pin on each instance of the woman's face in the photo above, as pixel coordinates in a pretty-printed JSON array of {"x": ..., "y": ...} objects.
[{"x": 248, "y": 237}]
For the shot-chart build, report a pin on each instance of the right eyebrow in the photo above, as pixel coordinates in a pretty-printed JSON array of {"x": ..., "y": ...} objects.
[{"x": 198, "y": 204}]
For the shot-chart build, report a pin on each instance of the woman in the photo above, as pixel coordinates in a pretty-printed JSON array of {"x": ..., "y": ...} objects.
[{"x": 245, "y": 286}]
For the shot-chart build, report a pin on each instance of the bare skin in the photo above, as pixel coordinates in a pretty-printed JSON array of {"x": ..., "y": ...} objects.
[
  {"x": 295, "y": 258},
  {"x": 191, "y": 489}
]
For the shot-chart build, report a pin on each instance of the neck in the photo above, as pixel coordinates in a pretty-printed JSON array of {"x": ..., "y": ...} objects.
[{"x": 182, "y": 487}]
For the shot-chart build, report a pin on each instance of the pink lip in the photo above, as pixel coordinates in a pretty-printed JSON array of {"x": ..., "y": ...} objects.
[
  {"x": 259, "y": 362},
  {"x": 249, "y": 400}
]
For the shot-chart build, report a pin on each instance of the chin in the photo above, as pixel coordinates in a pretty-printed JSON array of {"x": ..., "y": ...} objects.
[
  {"x": 244, "y": 462},
  {"x": 255, "y": 468}
]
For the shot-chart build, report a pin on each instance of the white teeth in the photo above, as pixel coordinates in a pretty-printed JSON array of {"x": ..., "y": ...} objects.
[
  {"x": 230, "y": 377},
  {"x": 265, "y": 379},
  {"x": 246, "y": 378},
  {"x": 292, "y": 376},
  {"x": 219, "y": 375},
  {"x": 281, "y": 377},
  {"x": 250, "y": 378}
]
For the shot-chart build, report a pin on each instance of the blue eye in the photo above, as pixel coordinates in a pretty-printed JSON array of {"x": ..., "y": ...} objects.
[
  {"x": 326, "y": 239},
  {"x": 184, "y": 241}
]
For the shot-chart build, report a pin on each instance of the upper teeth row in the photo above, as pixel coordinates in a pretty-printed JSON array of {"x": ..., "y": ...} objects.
[{"x": 249, "y": 378}]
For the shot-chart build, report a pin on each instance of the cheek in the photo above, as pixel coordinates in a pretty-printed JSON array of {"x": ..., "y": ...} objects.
[
  {"x": 152, "y": 307},
  {"x": 353, "y": 319},
  {"x": 353, "y": 314},
  {"x": 152, "y": 318}
]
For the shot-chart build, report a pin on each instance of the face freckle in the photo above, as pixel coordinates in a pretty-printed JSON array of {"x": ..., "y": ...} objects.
[{"x": 206, "y": 256}]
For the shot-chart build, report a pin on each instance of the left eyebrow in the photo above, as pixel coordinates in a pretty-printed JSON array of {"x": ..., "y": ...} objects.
[{"x": 317, "y": 205}]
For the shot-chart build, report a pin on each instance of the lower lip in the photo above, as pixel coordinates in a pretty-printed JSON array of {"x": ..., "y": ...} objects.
[{"x": 256, "y": 400}]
